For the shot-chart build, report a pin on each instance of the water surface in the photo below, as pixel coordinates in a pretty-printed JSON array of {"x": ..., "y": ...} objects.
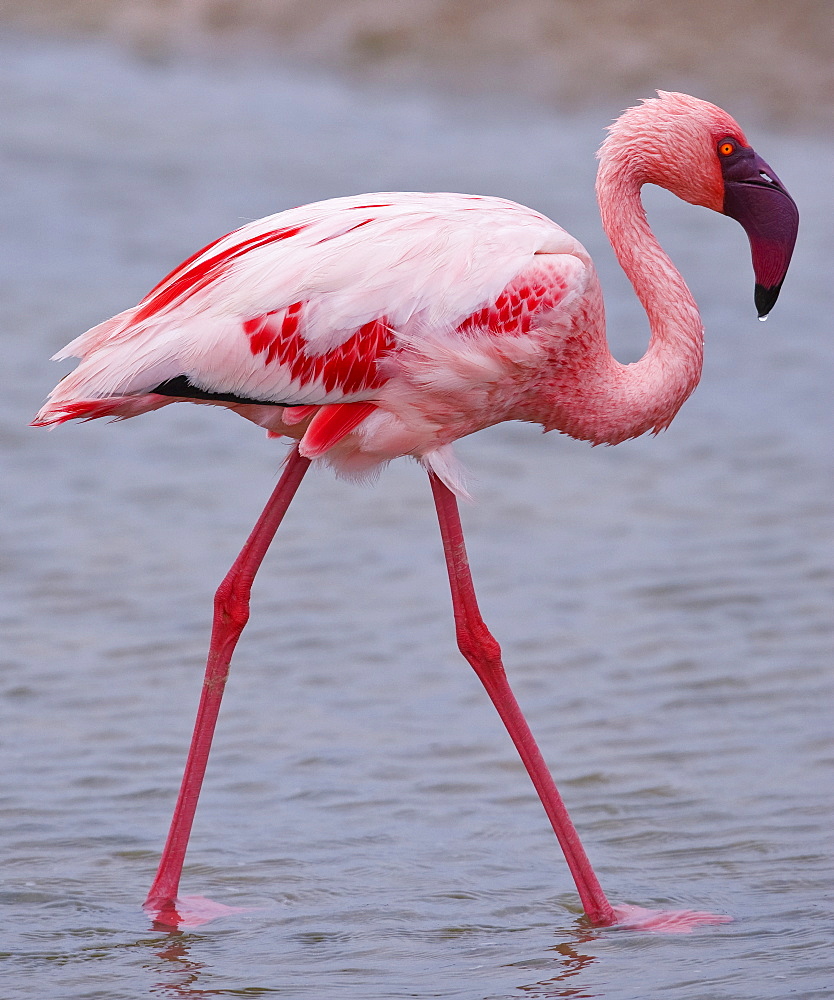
[{"x": 664, "y": 606}]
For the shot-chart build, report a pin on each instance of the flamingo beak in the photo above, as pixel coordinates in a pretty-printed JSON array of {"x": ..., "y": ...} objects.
[{"x": 755, "y": 197}]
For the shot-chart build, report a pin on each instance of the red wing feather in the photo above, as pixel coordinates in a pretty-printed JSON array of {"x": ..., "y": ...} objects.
[
  {"x": 331, "y": 424},
  {"x": 514, "y": 310},
  {"x": 195, "y": 274},
  {"x": 351, "y": 367}
]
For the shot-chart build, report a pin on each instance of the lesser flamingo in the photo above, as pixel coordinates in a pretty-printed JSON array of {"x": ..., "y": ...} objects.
[{"x": 372, "y": 327}]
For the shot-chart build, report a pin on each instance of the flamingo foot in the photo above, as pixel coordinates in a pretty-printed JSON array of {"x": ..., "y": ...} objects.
[
  {"x": 666, "y": 921},
  {"x": 189, "y": 911}
]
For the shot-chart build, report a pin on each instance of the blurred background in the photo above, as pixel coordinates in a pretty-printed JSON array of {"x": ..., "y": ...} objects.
[
  {"x": 775, "y": 58},
  {"x": 664, "y": 606}
]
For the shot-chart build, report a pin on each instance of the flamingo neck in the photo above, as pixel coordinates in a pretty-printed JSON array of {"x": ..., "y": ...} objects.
[{"x": 619, "y": 401}]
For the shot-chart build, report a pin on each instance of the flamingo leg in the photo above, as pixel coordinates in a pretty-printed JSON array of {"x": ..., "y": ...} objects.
[
  {"x": 231, "y": 612},
  {"x": 484, "y": 655}
]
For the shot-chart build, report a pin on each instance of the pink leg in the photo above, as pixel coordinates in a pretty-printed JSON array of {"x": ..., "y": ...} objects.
[
  {"x": 231, "y": 612},
  {"x": 484, "y": 654}
]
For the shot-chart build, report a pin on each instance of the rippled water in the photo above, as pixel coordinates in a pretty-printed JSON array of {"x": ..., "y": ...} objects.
[{"x": 664, "y": 606}]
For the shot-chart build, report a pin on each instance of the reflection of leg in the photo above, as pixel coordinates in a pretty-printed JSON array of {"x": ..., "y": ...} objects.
[
  {"x": 484, "y": 654},
  {"x": 231, "y": 612}
]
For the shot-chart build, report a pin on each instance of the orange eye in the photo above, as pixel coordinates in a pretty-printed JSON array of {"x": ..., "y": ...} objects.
[{"x": 727, "y": 147}]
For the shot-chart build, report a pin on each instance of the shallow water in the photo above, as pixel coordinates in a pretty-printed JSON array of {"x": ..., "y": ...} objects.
[{"x": 664, "y": 606}]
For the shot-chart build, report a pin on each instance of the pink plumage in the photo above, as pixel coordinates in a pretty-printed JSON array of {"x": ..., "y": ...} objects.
[
  {"x": 384, "y": 325},
  {"x": 407, "y": 300}
]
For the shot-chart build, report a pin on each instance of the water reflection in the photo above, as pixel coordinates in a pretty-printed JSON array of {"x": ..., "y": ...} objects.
[
  {"x": 180, "y": 972},
  {"x": 572, "y": 962}
]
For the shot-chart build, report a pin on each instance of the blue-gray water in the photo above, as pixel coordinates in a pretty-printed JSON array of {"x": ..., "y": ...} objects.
[{"x": 664, "y": 606}]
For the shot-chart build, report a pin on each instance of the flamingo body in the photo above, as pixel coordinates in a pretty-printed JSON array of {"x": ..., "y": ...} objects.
[
  {"x": 440, "y": 309},
  {"x": 383, "y": 325}
]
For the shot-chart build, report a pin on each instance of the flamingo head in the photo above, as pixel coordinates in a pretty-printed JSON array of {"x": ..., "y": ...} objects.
[
  {"x": 755, "y": 197},
  {"x": 698, "y": 152}
]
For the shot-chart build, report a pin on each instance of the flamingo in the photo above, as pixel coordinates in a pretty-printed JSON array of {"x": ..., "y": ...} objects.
[{"x": 371, "y": 327}]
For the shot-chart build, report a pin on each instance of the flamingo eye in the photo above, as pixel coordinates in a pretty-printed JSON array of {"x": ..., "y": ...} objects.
[{"x": 726, "y": 147}]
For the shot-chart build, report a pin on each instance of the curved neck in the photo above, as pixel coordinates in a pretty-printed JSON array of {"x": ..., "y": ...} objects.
[
  {"x": 589, "y": 394},
  {"x": 651, "y": 391}
]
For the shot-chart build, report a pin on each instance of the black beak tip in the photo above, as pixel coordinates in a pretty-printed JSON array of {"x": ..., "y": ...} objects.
[{"x": 765, "y": 298}]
